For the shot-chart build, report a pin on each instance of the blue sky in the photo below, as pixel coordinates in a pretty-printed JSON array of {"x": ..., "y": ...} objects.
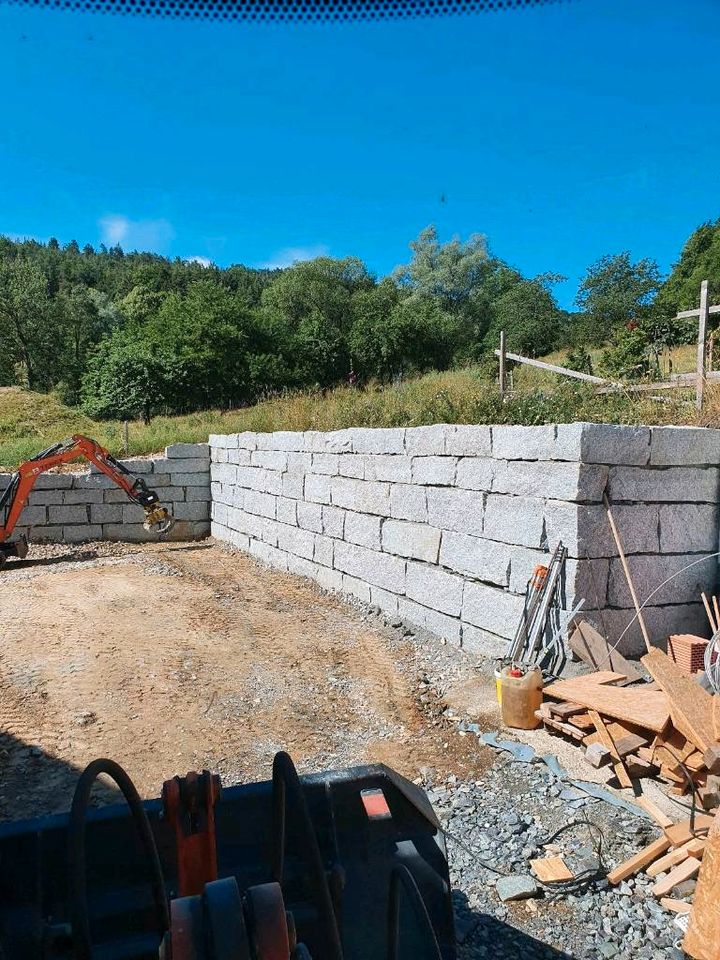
[{"x": 561, "y": 133}]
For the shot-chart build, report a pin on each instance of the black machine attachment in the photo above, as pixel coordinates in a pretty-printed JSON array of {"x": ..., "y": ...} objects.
[{"x": 345, "y": 865}]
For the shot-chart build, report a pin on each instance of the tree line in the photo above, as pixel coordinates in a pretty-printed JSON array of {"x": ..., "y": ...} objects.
[{"x": 136, "y": 335}]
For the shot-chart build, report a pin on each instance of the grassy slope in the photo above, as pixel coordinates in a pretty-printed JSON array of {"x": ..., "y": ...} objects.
[{"x": 30, "y": 421}]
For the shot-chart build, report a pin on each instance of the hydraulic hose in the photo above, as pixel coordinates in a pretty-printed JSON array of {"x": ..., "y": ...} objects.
[{"x": 78, "y": 905}]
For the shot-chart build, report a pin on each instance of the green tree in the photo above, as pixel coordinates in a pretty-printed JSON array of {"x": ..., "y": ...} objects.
[
  {"x": 614, "y": 292},
  {"x": 699, "y": 260},
  {"x": 28, "y": 330},
  {"x": 530, "y": 317}
]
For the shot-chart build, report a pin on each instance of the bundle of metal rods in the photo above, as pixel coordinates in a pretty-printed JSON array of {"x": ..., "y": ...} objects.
[{"x": 533, "y": 640}]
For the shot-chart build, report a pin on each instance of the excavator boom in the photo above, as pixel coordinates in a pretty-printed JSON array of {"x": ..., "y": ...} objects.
[{"x": 15, "y": 496}]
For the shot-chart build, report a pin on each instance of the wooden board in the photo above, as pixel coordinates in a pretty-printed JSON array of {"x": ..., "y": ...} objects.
[
  {"x": 565, "y": 710},
  {"x": 594, "y": 649},
  {"x": 650, "y": 807},
  {"x": 693, "y": 848},
  {"x": 691, "y": 707},
  {"x": 702, "y": 939},
  {"x": 565, "y": 728},
  {"x": 608, "y": 742},
  {"x": 646, "y": 709},
  {"x": 680, "y": 833},
  {"x": 676, "y": 906},
  {"x": 629, "y": 743},
  {"x": 683, "y": 871},
  {"x": 582, "y": 721},
  {"x": 551, "y": 869},
  {"x": 639, "y": 861}
]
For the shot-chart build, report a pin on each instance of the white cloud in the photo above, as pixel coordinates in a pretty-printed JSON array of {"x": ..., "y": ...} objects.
[
  {"x": 203, "y": 261},
  {"x": 146, "y": 235},
  {"x": 290, "y": 255}
]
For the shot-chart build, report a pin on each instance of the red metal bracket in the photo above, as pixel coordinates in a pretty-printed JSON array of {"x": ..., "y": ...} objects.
[{"x": 189, "y": 805}]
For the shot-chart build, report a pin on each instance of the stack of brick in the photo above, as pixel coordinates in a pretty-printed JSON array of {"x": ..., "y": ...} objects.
[
  {"x": 73, "y": 507},
  {"x": 443, "y": 525}
]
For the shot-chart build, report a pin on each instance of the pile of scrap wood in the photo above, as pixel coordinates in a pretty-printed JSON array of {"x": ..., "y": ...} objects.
[{"x": 669, "y": 728}]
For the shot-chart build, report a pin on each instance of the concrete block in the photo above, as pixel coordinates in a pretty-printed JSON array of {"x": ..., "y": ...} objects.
[
  {"x": 218, "y": 513},
  {"x": 394, "y": 468},
  {"x": 482, "y": 559},
  {"x": 469, "y": 440},
  {"x": 602, "y": 443},
  {"x": 660, "y": 621},
  {"x": 292, "y": 486},
  {"x": 247, "y": 440},
  {"x": 356, "y": 588},
  {"x": 523, "y": 561},
  {"x": 426, "y": 441},
  {"x": 333, "y": 522},
  {"x": 195, "y": 510},
  {"x": 330, "y": 579},
  {"x": 378, "y": 439},
  {"x": 190, "y": 493},
  {"x": 434, "y": 587},
  {"x": 439, "y": 471},
  {"x": 675, "y": 446},
  {"x": 268, "y": 555},
  {"x": 33, "y": 515},
  {"x": 362, "y": 496},
  {"x": 586, "y": 579},
  {"x": 301, "y": 567},
  {"x": 235, "y": 539},
  {"x": 523, "y": 443},
  {"x": 337, "y": 441},
  {"x": 379, "y": 569},
  {"x": 216, "y": 491},
  {"x": 688, "y": 527},
  {"x": 407, "y": 539},
  {"x": 40, "y": 498},
  {"x": 185, "y": 451},
  {"x": 286, "y": 511},
  {"x": 4, "y": 480},
  {"x": 262, "y": 504},
  {"x": 491, "y": 609},
  {"x": 223, "y": 473},
  {"x": 93, "y": 481},
  {"x": 219, "y": 441},
  {"x": 107, "y": 513},
  {"x": 54, "y": 481},
  {"x": 83, "y": 496},
  {"x": 189, "y": 465},
  {"x": 82, "y": 532},
  {"x": 71, "y": 515},
  {"x": 665, "y": 484},
  {"x": 554, "y": 479},
  {"x": 191, "y": 479},
  {"x": 585, "y": 531},
  {"x": 475, "y": 473},
  {"x": 440, "y": 624},
  {"x": 386, "y": 601},
  {"x": 299, "y": 463},
  {"x": 298, "y": 543},
  {"x": 325, "y": 463},
  {"x": 517, "y": 520},
  {"x": 460, "y": 510},
  {"x": 269, "y": 459},
  {"x": 247, "y": 523},
  {"x": 408, "y": 502},
  {"x": 649, "y": 572},
  {"x": 269, "y": 481},
  {"x": 482, "y": 643},
  {"x": 115, "y": 495},
  {"x": 288, "y": 440},
  {"x": 132, "y": 513},
  {"x": 159, "y": 480},
  {"x": 218, "y": 455},
  {"x": 363, "y": 529},
  {"x": 309, "y": 516},
  {"x": 43, "y": 534},
  {"x": 350, "y": 465},
  {"x": 317, "y": 488},
  {"x": 241, "y": 458},
  {"x": 324, "y": 550}
]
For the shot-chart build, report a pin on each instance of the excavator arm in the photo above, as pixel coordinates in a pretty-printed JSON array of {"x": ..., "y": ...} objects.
[{"x": 14, "y": 498}]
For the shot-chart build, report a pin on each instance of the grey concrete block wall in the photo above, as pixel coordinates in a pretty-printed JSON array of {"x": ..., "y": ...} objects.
[
  {"x": 73, "y": 507},
  {"x": 443, "y": 525}
]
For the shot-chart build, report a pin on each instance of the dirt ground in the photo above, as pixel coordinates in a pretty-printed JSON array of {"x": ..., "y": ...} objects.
[{"x": 170, "y": 657}]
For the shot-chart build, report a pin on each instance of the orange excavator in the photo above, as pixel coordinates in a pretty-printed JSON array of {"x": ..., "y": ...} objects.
[{"x": 15, "y": 495}]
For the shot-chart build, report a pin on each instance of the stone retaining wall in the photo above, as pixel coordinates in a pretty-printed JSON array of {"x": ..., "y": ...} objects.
[
  {"x": 72, "y": 507},
  {"x": 443, "y": 525}
]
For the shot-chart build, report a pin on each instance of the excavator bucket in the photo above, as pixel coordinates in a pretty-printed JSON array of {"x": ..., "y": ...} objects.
[{"x": 158, "y": 520}]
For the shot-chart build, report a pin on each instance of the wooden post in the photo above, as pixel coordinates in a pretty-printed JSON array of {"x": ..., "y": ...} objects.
[
  {"x": 702, "y": 329},
  {"x": 126, "y": 438},
  {"x": 502, "y": 363},
  {"x": 711, "y": 352},
  {"x": 626, "y": 571}
]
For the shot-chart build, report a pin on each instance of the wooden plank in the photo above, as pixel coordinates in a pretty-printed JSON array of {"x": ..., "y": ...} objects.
[
  {"x": 687, "y": 314},
  {"x": 695, "y": 762},
  {"x": 594, "y": 649},
  {"x": 551, "y": 869},
  {"x": 565, "y": 728},
  {"x": 607, "y": 741},
  {"x": 552, "y": 368},
  {"x": 582, "y": 721},
  {"x": 646, "y": 709},
  {"x": 680, "y": 833},
  {"x": 690, "y": 705},
  {"x": 637, "y": 767},
  {"x": 675, "y": 906},
  {"x": 650, "y": 807},
  {"x": 566, "y": 709},
  {"x": 701, "y": 338},
  {"x": 639, "y": 861},
  {"x": 629, "y": 743},
  {"x": 502, "y": 353},
  {"x": 683, "y": 871},
  {"x": 693, "y": 848},
  {"x": 703, "y": 933}
]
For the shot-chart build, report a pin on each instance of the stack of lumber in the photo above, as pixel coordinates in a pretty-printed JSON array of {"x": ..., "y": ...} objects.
[{"x": 663, "y": 729}]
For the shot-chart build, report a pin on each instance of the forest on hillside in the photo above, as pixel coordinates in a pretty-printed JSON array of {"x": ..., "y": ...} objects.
[{"x": 136, "y": 335}]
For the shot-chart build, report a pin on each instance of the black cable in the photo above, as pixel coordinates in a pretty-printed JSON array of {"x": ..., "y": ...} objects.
[
  {"x": 400, "y": 879},
  {"x": 78, "y": 907},
  {"x": 288, "y": 792}
]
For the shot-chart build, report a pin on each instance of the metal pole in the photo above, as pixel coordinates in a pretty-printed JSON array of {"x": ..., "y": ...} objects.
[
  {"x": 502, "y": 363},
  {"x": 702, "y": 329}
]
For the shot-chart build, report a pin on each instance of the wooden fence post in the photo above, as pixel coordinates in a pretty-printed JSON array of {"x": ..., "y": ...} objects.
[
  {"x": 702, "y": 331},
  {"x": 126, "y": 438},
  {"x": 502, "y": 363}
]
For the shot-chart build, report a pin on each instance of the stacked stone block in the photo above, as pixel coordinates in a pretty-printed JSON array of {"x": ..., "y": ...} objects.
[
  {"x": 73, "y": 507},
  {"x": 443, "y": 525}
]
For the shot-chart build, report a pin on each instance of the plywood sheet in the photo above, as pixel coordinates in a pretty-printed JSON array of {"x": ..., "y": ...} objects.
[
  {"x": 702, "y": 940},
  {"x": 644, "y": 708},
  {"x": 551, "y": 869},
  {"x": 691, "y": 707},
  {"x": 594, "y": 649}
]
